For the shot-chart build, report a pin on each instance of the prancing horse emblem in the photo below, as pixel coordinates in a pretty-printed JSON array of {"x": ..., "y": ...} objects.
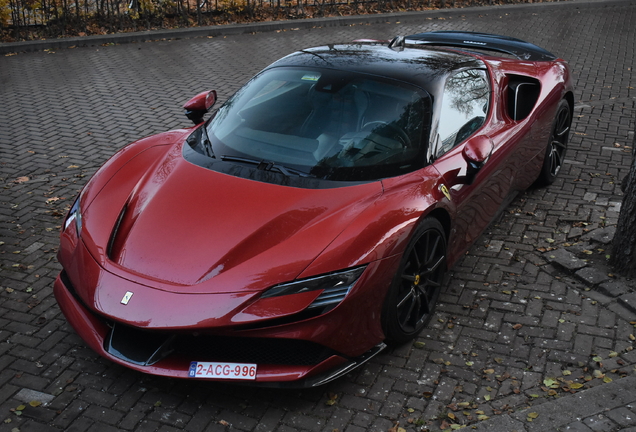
[
  {"x": 126, "y": 298},
  {"x": 445, "y": 191}
]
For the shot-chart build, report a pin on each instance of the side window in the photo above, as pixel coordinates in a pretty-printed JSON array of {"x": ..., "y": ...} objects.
[{"x": 464, "y": 107}]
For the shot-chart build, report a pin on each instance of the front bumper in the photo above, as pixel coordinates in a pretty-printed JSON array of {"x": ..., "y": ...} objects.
[{"x": 302, "y": 353}]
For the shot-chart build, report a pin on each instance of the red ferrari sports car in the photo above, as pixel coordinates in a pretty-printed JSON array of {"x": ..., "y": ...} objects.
[{"x": 309, "y": 222}]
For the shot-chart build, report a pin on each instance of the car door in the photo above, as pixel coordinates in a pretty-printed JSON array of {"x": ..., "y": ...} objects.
[{"x": 465, "y": 106}]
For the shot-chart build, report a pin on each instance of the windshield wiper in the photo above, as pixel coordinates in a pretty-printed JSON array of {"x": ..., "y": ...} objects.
[
  {"x": 266, "y": 165},
  {"x": 206, "y": 143}
]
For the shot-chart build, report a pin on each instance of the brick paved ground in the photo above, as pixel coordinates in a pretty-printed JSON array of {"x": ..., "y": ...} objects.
[{"x": 515, "y": 327}]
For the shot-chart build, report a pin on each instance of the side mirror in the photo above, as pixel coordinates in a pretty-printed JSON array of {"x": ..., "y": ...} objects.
[
  {"x": 199, "y": 105},
  {"x": 476, "y": 153}
]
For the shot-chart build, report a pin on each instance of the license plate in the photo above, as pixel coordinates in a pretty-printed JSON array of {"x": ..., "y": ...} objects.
[{"x": 236, "y": 371}]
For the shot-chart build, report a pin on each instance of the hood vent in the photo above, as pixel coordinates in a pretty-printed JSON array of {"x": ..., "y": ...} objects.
[{"x": 117, "y": 238}]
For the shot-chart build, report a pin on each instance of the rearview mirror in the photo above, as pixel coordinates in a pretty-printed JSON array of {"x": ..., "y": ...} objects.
[
  {"x": 476, "y": 153},
  {"x": 199, "y": 105}
]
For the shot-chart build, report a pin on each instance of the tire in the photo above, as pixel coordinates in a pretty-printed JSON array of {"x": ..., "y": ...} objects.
[
  {"x": 410, "y": 302},
  {"x": 557, "y": 145}
]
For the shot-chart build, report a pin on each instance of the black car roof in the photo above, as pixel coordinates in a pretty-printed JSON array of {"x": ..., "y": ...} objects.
[{"x": 421, "y": 66}]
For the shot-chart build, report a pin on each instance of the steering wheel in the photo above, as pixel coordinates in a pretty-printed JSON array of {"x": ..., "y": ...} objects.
[{"x": 406, "y": 141}]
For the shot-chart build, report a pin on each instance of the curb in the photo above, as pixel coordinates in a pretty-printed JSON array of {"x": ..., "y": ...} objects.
[
  {"x": 565, "y": 412},
  {"x": 260, "y": 27}
]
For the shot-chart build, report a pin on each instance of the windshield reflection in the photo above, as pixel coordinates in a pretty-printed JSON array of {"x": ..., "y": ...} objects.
[{"x": 331, "y": 124}]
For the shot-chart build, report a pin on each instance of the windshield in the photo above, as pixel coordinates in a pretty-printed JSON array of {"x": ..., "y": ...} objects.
[{"x": 324, "y": 124}]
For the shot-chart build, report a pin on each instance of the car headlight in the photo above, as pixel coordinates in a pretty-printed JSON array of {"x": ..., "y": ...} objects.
[
  {"x": 74, "y": 215},
  {"x": 334, "y": 286}
]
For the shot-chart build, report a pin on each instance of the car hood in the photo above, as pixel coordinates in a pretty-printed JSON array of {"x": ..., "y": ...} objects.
[{"x": 205, "y": 231}]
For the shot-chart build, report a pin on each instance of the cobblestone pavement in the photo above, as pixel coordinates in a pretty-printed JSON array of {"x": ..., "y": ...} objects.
[{"x": 531, "y": 332}]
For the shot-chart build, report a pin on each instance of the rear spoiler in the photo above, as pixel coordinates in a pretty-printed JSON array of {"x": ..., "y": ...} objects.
[{"x": 481, "y": 41}]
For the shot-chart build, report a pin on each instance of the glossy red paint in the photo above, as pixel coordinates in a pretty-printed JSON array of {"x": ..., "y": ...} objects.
[
  {"x": 159, "y": 227},
  {"x": 201, "y": 102}
]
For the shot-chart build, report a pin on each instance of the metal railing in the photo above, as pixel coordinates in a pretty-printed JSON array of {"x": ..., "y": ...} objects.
[{"x": 35, "y": 19}]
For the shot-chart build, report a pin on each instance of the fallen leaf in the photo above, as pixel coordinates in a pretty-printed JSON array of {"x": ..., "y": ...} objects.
[
  {"x": 419, "y": 345},
  {"x": 550, "y": 382},
  {"x": 21, "y": 180},
  {"x": 517, "y": 326},
  {"x": 35, "y": 403},
  {"x": 224, "y": 423}
]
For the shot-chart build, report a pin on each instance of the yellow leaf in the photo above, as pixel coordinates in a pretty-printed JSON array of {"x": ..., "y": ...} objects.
[
  {"x": 576, "y": 386},
  {"x": 482, "y": 417},
  {"x": 487, "y": 397},
  {"x": 35, "y": 403},
  {"x": 533, "y": 415},
  {"x": 489, "y": 371},
  {"x": 607, "y": 380}
]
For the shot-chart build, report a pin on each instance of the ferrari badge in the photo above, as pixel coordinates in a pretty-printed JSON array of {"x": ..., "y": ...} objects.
[
  {"x": 445, "y": 191},
  {"x": 126, "y": 298}
]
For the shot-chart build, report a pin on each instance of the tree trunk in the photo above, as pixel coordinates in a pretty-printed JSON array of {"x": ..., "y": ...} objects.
[{"x": 623, "y": 257}]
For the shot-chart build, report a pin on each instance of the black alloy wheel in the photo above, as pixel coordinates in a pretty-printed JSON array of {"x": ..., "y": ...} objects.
[
  {"x": 410, "y": 302},
  {"x": 558, "y": 144}
]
